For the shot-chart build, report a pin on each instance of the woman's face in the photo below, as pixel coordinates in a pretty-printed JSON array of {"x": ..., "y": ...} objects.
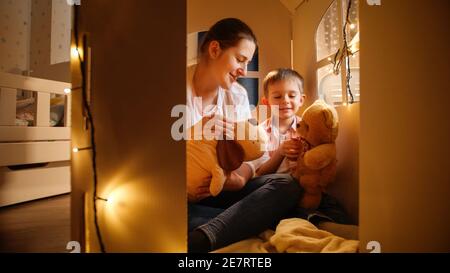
[{"x": 230, "y": 64}]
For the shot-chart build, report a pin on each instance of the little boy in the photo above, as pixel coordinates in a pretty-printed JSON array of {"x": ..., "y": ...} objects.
[{"x": 283, "y": 93}]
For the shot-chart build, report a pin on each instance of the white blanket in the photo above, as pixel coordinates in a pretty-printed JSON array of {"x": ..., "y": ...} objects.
[{"x": 293, "y": 235}]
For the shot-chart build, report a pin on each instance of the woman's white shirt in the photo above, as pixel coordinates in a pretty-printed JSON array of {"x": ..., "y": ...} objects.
[{"x": 233, "y": 104}]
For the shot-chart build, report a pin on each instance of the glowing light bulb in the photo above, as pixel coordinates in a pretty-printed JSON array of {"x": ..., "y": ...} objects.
[
  {"x": 101, "y": 199},
  {"x": 110, "y": 199},
  {"x": 74, "y": 52},
  {"x": 67, "y": 90},
  {"x": 345, "y": 104},
  {"x": 352, "y": 26},
  {"x": 329, "y": 58},
  {"x": 76, "y": 149}
]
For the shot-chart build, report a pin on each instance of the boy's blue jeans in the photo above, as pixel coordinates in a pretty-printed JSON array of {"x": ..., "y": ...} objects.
[{"x": 236, "y": 215}]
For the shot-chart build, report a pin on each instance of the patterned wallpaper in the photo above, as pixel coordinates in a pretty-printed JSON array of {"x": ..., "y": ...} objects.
[
  {"x": 40, "y": 34},
  {"x": 60, "y": 36},
  {"x": 14, "y": 35},
  {"x": 34, "y": 36}
]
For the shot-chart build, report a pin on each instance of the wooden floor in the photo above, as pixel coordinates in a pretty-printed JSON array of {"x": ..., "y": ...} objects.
[{"x": 36, "y": 226}]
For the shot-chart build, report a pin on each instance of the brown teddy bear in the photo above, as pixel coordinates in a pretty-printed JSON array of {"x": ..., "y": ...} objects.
[
  {"x": 214, "y": 159},
  {"x": 316, "y": 164}
]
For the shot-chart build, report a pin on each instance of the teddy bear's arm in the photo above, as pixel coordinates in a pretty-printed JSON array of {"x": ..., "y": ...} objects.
[
  {"x": 320, "y": 156},
  {"x": 217, "y": 180},
  {"x": 328, "y": 174}
]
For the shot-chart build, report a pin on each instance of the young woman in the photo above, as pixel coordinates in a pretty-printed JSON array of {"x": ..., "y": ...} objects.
[{"x": 247, "y": 205}]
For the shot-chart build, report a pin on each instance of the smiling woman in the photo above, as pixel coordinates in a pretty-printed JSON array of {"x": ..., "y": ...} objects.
[{"x": 226, "y": 50}]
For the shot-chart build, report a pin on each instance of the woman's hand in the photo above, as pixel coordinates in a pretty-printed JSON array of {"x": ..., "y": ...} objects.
[
  {"x": 290, "y": 149},
  {"x": 237, "y": 179},
  {"x": 202, "y": 191},
  {"x": 234, "y": 182},
  {"x": 218, "y": 127}
]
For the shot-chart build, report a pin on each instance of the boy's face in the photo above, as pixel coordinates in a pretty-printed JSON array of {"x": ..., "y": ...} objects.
[{"x": 286, "y": 95}]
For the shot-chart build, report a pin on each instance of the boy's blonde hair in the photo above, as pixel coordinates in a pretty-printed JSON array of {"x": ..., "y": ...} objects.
[{"x": 282, "y": 74}]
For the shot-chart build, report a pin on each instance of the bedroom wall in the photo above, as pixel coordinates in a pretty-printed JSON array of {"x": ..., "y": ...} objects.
[
  {"x": 138, "y": 75},
  {"x": 345, "y": 188},
  {"x": 50, "y": 40},
  {"x": 405, "y": 189},
  {"x": 28, "y": 30},
  {"x": 269, "y": 20},
  {"x": 15, "y": 24}
]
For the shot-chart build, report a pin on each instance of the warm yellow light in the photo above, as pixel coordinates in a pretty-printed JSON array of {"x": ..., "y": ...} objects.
[
  {"x": 115, "y": 199},
  {"x": 111, "y": 199},
  {"x": 67, "y": 90},
  {"x": 74, "y": 52},
  {"x": 329, "y": 58},
  {"x": 352, "y": 26},
  {"x": 345, "y": 104},
  {"x": 102, "y": 199},
  {"x": 76, "y": 149}
]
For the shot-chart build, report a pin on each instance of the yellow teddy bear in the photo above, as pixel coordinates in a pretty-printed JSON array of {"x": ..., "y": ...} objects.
[
  {"x": 215, "y": 158},
  {"x": 316, "y": 164}
]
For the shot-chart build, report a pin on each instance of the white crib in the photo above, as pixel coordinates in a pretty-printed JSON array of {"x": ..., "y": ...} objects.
[{"x": 34, "y": 160}]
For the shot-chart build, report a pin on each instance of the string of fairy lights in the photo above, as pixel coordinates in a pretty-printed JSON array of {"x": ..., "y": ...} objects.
[
  {"x": 344, "y": 53},
  {"x": 90, "y": 120}
]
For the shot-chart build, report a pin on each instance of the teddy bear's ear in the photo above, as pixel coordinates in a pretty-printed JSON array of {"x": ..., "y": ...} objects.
[
  {"x": 328, "y": 117},
  {"x": 331, "y": 121},
  {"x": 331, "y": 117}
]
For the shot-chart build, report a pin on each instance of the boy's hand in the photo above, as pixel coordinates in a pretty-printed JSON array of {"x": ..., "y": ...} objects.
[{"x": 290, "y": 149}]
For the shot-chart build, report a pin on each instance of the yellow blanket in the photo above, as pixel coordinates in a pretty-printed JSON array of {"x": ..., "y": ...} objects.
[{"x": 293, "y": 235}]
